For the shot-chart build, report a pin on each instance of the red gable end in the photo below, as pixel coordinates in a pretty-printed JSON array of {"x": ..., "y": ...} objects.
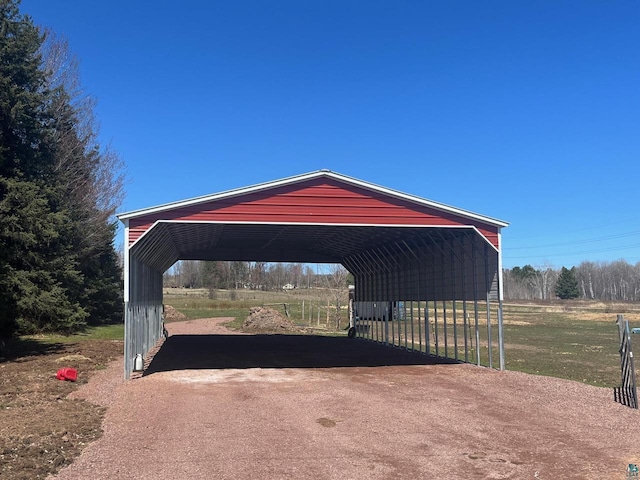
[{"x": 318, "y": 201}]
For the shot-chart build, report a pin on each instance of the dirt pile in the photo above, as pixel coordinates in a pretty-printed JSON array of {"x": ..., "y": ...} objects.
[
  {"x": 173, "y": 315},
  {"x": 263, "y": 319}
]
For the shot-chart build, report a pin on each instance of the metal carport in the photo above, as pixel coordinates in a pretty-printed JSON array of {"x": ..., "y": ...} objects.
[{"x": 420, "y": 258}]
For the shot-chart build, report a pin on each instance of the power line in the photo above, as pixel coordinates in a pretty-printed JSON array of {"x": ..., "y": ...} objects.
[
  {"x": 577, "y": 242},
  {"x": 599, "y": 250}
]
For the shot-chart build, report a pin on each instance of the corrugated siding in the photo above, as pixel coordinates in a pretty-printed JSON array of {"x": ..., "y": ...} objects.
[{"x": 315, "y": 201}]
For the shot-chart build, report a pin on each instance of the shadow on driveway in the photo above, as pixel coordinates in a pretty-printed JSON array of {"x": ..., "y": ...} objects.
[{"x": 191, "y": 352}]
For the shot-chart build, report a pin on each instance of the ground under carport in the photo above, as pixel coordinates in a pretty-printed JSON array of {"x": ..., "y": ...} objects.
[{"x": 271, "y": 408}]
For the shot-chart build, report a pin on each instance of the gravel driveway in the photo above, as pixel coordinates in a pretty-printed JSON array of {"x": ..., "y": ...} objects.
[{"x": 215, "y": 404}]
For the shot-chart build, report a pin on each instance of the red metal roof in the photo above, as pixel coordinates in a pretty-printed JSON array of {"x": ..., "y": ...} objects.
[{"x": 318, "y": 198}]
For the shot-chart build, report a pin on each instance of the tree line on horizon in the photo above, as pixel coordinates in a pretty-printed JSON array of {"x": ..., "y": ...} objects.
[
  {"x": 616, "y": 281},
  {"x": 59, "y": 189},
  {"x": 230, "y": 275},
  {"x": 604, "y": 281}
]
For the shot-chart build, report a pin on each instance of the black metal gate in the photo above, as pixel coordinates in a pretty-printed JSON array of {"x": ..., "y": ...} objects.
[{"x": 627, "y": 393}]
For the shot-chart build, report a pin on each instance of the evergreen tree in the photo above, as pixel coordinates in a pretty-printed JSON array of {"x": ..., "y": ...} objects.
[
  {"x": 567, "y": 284},
  {"x": 102, "y": 286},
  {"x": 38, "y": 266},
  {"x": 525, "y": 273},
  {"x": 21, "y": 96},
  {"x": 36, "y": 261},
  {"x": 58, "y": 193}
]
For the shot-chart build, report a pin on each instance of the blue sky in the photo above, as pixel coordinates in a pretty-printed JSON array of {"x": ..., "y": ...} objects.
[{"x": 528, "y": 112}]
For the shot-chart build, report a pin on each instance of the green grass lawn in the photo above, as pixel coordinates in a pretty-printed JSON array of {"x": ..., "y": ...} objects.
[
  {"x": 42, "y": 344},
  {"x": 102, "y": 332},
  {"x": 557, "y": 346},
  {"x": 194, "y": 308}
]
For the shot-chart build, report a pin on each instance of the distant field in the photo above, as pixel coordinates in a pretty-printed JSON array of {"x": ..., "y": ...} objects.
[
  {"x": 295, "y": 295},
  {"x": 573, "y": 340},
  {"x": 306, "y": 307},
  {"x": 578, "y": 341}
]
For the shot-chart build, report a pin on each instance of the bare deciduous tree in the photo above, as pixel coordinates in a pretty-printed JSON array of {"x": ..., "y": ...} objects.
[
  {"x": 336, "y": 283},
  {"x": 93, "y": 175}
]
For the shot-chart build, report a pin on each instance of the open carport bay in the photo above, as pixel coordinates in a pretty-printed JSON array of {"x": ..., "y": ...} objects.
[{"x": 266, "y": 407}]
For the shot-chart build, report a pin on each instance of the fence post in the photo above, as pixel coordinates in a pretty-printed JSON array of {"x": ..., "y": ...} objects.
[{"x": 627, "y": 393}]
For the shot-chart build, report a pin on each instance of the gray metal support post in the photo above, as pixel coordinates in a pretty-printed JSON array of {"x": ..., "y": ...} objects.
[
  {"x": 128, "y": 354},
  {"x": 488, "y": 288},
  {"x": 444, "y": 307},
  {"x": 465, "y": 319},
  {"x": 474, "y": 261},
  {"x": 503, "y": 365},
  {"x": 435, "y": 310},
  {"x": 419, "y": 305},
  {"x": 455, "y": 299}
]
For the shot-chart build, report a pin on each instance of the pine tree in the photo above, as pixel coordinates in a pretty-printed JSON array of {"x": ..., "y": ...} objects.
[
  {"x": 21, "y": 97},
  {"x": 38, "y": 266},
  {"x": 567, "y": 284},
  {"x": 58, "y": 265},
  {"x": 34, "y": 270}
]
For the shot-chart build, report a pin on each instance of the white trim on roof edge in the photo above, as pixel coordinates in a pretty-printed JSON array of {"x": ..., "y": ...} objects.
[{"x": 302, "y": 178}]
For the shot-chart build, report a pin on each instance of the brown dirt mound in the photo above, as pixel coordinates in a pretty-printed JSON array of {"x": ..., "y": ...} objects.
[
  {"x": 263, "y": 319},
  {"x": 173, "y": 315}
]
